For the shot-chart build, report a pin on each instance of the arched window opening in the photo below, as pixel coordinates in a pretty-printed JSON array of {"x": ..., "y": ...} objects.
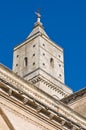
[
  {"x": 52, "y": 62},
  {"x": 25, "y": 62}
]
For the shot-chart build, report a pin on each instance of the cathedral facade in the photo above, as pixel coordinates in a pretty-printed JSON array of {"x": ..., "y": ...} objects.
[{"x": 33, "y": 96}]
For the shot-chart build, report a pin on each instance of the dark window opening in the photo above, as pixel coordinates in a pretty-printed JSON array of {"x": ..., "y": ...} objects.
[
  {"x": 43, "y": 54},
  {"x": 17, "y": 56},
  {"x": 34, "y": 54},
  {"x": 52, "y": 62},
  {"x": 59, "y": 56},
  {"x": 43, "y": 44},
  {"x": 60, "y": 75},
  {"x": 33, "y": 63},
  {"x": 33, "y": 45},
  {"x": 59, "y": 65},
  {"x": 44, "y": 64},
  {"x": 25, "y": 62},
  {"x": 16, "y": 64}
]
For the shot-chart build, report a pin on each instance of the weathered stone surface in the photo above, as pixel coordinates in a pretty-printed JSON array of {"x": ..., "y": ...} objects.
[
  {"x": 3, "y": 125},
  {"x": 77, "y": 101},
  {"x": 79, "y": 106},
  {"x": 39, "y": 56}
]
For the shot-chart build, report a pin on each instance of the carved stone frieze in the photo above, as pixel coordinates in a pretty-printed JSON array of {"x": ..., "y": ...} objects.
[{"x": 48, "y": 84}]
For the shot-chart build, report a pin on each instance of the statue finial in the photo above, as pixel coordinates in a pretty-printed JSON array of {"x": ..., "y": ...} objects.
[{"x": 38, "y": 15}]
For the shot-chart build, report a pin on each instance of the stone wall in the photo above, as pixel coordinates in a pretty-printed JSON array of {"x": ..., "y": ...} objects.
[{"x": 79, "y": 106}]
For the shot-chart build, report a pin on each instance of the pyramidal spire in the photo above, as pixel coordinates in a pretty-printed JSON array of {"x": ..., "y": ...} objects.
[{"x": 38, "y": 27}]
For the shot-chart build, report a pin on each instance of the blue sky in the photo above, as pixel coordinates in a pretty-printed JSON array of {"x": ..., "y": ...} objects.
[{"x": 64, "y": 22}]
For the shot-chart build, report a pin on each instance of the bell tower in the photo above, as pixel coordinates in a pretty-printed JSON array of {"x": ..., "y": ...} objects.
[{"x": 40, "y": 61}]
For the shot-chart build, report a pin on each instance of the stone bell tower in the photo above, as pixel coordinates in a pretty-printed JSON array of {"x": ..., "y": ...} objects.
[{"x": 39, "y": 60}]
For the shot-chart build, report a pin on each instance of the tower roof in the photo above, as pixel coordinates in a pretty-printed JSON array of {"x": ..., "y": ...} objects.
[{"x": 38, "y": 27}]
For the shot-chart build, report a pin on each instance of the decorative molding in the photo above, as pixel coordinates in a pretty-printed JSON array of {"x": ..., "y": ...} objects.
[
  {"x": 51, "y": 115},
  {"x": 49, "y": 84},
  {"x": 39, "y": 108},
  {"x": 16, "y": 83},
  {"x": 10, "y": 92},
  {"x": 24, "y": 117},
  {"x": 63, "y": 122},
  {"x": 25, "y": 100}
]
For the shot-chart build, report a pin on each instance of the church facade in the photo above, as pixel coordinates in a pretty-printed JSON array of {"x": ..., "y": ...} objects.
[{"x": 33, "y": 95}]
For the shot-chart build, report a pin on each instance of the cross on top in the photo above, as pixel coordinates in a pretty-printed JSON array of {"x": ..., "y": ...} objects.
[{"x": 38, "y": 15}]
